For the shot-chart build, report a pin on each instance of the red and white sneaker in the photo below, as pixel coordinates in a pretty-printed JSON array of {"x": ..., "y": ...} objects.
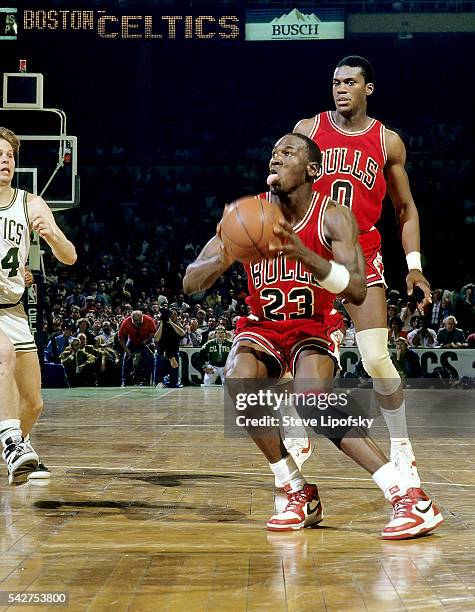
[
  {"x": 303, "y": 509},
  {"x": 414, "y": 514},
  {"x": 300, "y": 449}
]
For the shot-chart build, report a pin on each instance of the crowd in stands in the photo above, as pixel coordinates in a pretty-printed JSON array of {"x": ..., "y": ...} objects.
[{"x": 107, "y": 333}]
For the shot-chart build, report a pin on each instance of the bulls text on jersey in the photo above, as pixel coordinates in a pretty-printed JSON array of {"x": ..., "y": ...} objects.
[
  {"x": 341, "y": 160},
  {"x": 269, "y": 271}
]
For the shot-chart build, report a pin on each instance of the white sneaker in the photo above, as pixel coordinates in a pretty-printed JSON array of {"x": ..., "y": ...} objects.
[
  {"x": 300, "y": 449},
  {"x": 21, "y": 460},
  {"x": 402, "y": 457}
]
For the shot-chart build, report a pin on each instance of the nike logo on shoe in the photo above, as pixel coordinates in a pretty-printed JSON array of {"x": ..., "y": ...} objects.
[
  {"x": 423, "y": 511},
  {"x": 311, "y": 510}
]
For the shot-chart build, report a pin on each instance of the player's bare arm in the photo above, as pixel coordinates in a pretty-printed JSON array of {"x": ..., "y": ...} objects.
[
  {"x": 340, "y": 227},
  {"x": 210, "y": 264},
  {"x": 304, "y": 126},
  {"x": 43, "y": 222},
  {"x": 406, "y": 211}
]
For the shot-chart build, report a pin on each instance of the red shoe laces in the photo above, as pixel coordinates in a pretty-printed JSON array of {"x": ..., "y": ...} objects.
[
  {"x": 401, "y": 505},
  {"x": 296, "y": 498}
]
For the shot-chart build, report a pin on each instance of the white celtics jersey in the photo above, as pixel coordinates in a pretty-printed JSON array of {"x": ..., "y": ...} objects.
[{"x": 14, "y": 247}]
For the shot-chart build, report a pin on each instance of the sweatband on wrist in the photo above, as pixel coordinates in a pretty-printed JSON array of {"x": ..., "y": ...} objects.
[
  {"x": 337, "y": 280},
  {"x": 414, "y": 261}
]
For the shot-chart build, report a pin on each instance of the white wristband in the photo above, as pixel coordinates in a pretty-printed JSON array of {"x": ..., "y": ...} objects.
[
  {"x": 414, "y": 261},
  {"x": 338, "y": 279}
]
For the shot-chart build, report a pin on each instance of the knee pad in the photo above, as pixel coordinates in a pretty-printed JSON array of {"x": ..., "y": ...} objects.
[{"x": 373, "y": 346}]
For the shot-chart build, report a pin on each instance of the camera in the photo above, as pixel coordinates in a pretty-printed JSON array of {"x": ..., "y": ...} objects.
[{"x": 164, "y": 313}]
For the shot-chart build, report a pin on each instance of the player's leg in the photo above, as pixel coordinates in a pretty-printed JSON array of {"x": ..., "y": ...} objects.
[
  {"x": 20, "y": 459},
  {"x": 412, "y": 515},
  {"x": 247, "y": 361},
  {"x": 370, "y": 319},
  {"x": 28, "y": 380}
]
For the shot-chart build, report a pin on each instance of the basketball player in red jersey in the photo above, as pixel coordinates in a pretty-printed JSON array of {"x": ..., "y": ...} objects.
[
  {"x": 291, "y": 327},
  {"x": 361, "y": 158}
]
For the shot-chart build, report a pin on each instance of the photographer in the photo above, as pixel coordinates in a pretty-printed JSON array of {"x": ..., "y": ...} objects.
[
  {"x": 423, "y": 336},
  {"x": 135, "y": 333},
  {"x": 167, "y": 339}
]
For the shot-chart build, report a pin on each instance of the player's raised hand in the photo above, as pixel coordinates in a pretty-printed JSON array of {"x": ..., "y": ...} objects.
[
  {"x": 42, "y": 225},
  {"x": 415, "y": 278},
  {"x": 289, "y": 243}
]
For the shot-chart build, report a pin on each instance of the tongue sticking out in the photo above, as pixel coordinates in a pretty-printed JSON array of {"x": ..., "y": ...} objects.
[{"x": 272, "y": 178}]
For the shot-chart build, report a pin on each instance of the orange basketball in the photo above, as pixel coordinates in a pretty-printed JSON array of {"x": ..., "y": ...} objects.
[{"x": 246, "y": 228}]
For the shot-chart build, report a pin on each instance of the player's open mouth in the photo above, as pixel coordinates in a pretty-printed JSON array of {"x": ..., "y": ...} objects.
[{"x": 273, "y": 177}]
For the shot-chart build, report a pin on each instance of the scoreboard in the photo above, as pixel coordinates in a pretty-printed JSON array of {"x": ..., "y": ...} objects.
[{"x": 8, "y": 24}]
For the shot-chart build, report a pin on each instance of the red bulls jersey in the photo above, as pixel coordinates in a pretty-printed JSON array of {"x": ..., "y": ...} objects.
[
  {"x": 280, "y": 289},
  {"x": 352, "y": 167}
]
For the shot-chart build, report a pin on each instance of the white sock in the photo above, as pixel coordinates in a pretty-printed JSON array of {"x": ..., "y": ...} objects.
[
  {"x": 10, "y": 428},
  {"x": 396, "y": 421},
  {"x": 287, "y": 472},
  {"x": 390, "y": 481}
]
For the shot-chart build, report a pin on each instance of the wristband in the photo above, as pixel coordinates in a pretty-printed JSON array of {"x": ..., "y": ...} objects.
[
  {"x": 414, "y": 261},
  {"x": 338, "y": 279}
]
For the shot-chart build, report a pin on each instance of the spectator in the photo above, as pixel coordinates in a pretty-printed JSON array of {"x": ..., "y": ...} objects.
[
  {"x": 395, "y": 330},
  {"x": 167, "y": 339},
  {"x": 77, "y": 298},
  {"x": 58, "y": 344},
  {"x": 433, "y": 311},
  {"x": 212, "y": 323},
  {"x": 407, "y": 313},
  {"x": 193, "y": 335},
  {"x": 84, "y": 327},
  {"x": 106, "y": 337},
  {"x": 406, "y": 361},
  {"x": 180, "y": 305},
  {"x": 424, "y": 336},
  {"x": 450, "y": 336},
  {"x": 78, "y": 364},
  {"x": 108, "y": 364},
  {"x": 135, "y": 334},
  {"x": 349, "y": 332},
  {"x": 214, "y": 354}
]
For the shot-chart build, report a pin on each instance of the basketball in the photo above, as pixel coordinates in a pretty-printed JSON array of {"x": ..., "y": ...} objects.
[{"x": 247, "y": 229}]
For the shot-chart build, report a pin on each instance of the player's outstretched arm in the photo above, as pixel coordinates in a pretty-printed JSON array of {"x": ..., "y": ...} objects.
[
  {"x": 345, "y": 275},
  {"x": 43, "y": 222},
  {"x": 406, "y": 211},
  {"x": 210, "y": 264}
]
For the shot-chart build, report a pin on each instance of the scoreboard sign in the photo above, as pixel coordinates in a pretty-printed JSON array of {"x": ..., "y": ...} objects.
[{"x": 8, "y": 24}]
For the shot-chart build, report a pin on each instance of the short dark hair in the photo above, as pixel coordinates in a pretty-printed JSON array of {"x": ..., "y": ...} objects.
[
  {"x": 313, "y": 150},
  {"x": 356, "y": 61},
  {"x": 397, "y": 320}
]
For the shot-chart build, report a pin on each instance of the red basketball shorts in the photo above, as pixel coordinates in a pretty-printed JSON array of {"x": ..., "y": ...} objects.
[
  {"x": 285, "y": 340},
  {"x": 371, "y": 245}
]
